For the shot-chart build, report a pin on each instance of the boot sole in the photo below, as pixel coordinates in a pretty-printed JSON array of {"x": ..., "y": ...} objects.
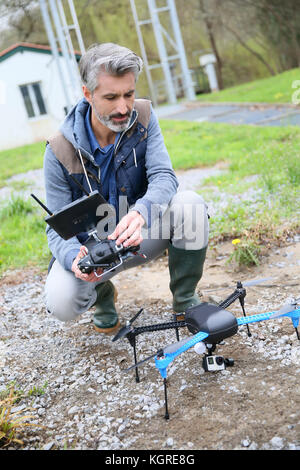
[{"x": 107, "y": 331}]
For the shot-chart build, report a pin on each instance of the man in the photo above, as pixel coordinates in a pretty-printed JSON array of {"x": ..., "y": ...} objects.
[{"x": 112, "y": 142}]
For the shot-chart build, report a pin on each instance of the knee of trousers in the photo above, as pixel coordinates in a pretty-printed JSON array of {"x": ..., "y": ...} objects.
[
  {"x": 66, "y": 298},
  {"x": 189, "y": 218}
]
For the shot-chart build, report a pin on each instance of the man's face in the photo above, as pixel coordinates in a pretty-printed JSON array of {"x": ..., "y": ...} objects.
[{"x": 112, "y": 101}]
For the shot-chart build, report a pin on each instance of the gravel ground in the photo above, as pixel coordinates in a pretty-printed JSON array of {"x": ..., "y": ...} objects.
[{"x": 88, "y": 402}]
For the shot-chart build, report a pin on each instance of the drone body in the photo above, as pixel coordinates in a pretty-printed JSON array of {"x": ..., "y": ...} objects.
[{"x": 211, "y": 319}]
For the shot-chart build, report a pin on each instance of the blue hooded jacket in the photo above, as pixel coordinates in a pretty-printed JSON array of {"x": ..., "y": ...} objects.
[{"x": 142, "y": 168}]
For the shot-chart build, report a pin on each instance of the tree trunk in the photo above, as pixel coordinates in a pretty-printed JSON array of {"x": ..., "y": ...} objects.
[{"x": 210, "y": 32}]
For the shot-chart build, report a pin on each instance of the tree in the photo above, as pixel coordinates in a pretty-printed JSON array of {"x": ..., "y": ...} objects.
[
  {"x": 243, "y": 42},
  {"x": 24, "y": 21},
  {"x": 279, "y": 24}
]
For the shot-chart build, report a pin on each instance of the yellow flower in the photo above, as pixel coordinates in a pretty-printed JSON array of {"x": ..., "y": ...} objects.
[{"x": 236, "y": 241}]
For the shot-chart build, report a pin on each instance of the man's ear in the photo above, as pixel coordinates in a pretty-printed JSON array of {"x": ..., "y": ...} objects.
[{"x": 87, "y": 94}]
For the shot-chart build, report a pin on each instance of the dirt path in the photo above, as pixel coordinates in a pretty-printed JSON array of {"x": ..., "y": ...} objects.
[
  {"x": 151, "y": 282},
  {"x": 91, "y": 404}
]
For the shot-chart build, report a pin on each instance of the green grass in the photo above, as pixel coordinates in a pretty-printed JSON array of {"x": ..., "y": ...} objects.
[
  {"x": 22, "y": 236},
  {"x": 264, "y": 160},
  {"x": 13, "y": 422},
  {"x": 261, "y": 182},
  {"x": 270, "y": 218},
  {"x": 192, "y": 144},
  {"x": 275, "y": 89},
  {"x": 20, "y": 160}
]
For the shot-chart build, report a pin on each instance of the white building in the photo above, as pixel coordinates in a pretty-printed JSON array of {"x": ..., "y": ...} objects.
[{"x": 32, "y": 99}]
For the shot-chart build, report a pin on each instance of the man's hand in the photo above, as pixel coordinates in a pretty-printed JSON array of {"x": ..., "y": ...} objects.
[
  {"x": 91, "y": 277},
  {"x": 128, "y": 230}
]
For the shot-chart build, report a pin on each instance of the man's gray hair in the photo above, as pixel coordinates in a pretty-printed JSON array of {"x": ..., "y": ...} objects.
[{"x": 108, "y": 57}]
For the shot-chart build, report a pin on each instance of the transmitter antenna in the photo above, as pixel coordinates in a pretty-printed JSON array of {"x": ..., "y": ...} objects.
[{"x": 41, "y": 204}]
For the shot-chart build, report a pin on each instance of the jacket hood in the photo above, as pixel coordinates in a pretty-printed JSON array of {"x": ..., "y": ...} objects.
[{"x": 73, "y": 128}]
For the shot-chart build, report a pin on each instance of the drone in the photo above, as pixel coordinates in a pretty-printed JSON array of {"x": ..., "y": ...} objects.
[{"x": 209, "y": 324}]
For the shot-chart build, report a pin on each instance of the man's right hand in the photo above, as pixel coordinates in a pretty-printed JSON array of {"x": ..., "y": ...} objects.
[{"x": 91, "y": 277}]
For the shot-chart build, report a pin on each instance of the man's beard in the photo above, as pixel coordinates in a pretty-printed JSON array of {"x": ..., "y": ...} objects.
[{"x": 107, "y": 120}]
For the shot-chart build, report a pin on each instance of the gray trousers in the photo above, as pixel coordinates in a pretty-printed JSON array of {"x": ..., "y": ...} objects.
[{"x": 184, "y": 224}]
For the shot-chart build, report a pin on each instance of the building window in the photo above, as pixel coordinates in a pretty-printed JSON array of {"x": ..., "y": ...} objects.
[{"x": 33, "y": 99}]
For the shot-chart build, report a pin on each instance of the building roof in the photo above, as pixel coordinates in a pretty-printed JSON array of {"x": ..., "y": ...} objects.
[{"x": 27, "y": 46}]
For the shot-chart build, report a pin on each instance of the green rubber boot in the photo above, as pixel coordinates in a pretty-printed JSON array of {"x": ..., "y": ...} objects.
[
  {"x": 186, "y": 268},
  {"x": 106, "y": 318}
]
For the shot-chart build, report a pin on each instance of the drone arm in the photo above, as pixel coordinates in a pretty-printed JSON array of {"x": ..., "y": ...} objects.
[
  {"x": 159, "y": 326},
  {"x": 293, "y": 314},
  {"x": 238, "y": 293},
  {"x": 254, "y": 318},
  {"x": 162, "y": 362}
]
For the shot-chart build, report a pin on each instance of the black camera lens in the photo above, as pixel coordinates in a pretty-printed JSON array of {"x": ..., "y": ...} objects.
[{"x": 219, "y": 360}]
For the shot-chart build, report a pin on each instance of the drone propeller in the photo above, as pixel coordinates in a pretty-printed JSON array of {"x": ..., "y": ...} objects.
[
  {"x": 127, "y": 328},
  {"x": 134, "y": 366},
  {"x": 290, "y": 310},
  {"x": 172, "y": 350},
  {"x": 282, "y": 311},
  {"x": 255, "y": 282},
  {"x": 252, "y": 282},
  {"x": 286, "y": 308}
]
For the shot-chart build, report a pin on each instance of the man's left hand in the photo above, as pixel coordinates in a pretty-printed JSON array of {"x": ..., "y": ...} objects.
[{"x": 128, "y": 231}]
